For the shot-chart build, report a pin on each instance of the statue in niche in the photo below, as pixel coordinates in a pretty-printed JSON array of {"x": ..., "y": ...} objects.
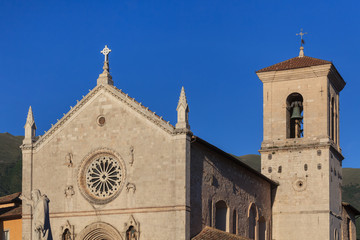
[
  {"x": 66, "y": 235},
  {"x": 40, "y": 208},
  {"x": 131, "y": 234}
]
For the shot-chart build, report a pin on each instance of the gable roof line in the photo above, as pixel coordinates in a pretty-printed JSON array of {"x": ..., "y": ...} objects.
[
  {"x": 119, "y": 94},
  {"x": 138, "y": 107},
  {"x": 67, "y": 116}
]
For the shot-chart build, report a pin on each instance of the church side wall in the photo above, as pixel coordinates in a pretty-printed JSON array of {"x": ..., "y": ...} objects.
[
  {"x": 215, "y": 177},
  {"x": 151, "y": 193}
]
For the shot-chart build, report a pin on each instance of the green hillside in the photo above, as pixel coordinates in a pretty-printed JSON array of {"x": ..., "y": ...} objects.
[{"x": 10, "y": 163}]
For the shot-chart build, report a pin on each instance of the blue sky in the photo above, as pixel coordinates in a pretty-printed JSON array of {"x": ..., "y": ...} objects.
[{"x": 50, "y": 57}]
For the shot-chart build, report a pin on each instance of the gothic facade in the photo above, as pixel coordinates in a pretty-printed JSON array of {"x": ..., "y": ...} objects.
[{"x": 113, "y": 169}]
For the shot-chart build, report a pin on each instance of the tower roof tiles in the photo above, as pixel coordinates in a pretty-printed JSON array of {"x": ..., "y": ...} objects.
[{"x": 293, "y": 63}]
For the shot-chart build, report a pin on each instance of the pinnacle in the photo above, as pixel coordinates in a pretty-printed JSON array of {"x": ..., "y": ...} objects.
[
  {"x": 182, "y": 99},
  {"x": 30, "y": 117}
]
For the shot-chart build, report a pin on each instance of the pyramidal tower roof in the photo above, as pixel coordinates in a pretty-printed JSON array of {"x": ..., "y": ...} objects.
[{"x": 297, "y": 62}]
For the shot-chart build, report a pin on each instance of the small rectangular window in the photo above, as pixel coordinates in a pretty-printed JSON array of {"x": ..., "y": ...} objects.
[{"x": 6, "y": 235}]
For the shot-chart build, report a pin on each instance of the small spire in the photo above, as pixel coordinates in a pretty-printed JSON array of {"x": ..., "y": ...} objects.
[
  {"x": 301, "y": 53},
  {"x": 105, "y": 77},
  {"x": 182, "y": 112},
  {"x": 30, "y": 117},
  {"x": 182, "y": 99},
  {"x": 30, "y": 128}
]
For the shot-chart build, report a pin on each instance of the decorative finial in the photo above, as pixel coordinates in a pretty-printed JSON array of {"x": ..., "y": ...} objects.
[
  {"x": 30, "y": 128},
  {"x": 183, "y": 111},
  {"x": 301, "y": 34},
  {"x": 105, "y": 77},
  {"x": 30, "y": 117},
  {"x": 106, "y": 52}
]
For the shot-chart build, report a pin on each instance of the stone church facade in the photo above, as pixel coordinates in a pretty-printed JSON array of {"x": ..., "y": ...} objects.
[{"x": 113, "y": 169}]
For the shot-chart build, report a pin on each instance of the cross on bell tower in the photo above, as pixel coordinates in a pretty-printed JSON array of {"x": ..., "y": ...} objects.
[{"x": 302, "y": 42}]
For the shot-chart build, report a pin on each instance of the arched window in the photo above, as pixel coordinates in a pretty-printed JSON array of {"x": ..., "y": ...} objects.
[
  {"x": 294, "y": 116},
  {"x": 262, "y": 229},
  {"x": 336, "y": 234},
  {"x": 221, "y": 215},
  {"x": 332, "y": 119},
  {"x": 252, "y": 222}
]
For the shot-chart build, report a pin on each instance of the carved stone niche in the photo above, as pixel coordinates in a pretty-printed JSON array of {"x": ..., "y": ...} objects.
[
  {"x": 67, "y": 232},
  {"x": 131, "y": 229}
]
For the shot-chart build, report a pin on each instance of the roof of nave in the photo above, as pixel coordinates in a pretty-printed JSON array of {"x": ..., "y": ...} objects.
[
  {"x": 229, "y": 156},
  {"x": 209, "y": 233},
  {"x": 352, "y": 208},
  {"x": 294, "y": 63}
]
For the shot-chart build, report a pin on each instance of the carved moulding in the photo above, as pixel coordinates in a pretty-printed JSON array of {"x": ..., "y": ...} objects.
[
  {"x": 101, "y": 176},
  {"x": 99, "y": 230}
]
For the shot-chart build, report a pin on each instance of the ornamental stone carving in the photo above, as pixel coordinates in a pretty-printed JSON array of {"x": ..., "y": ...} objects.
[
  {"x": 69, "y": 191},
  {"x": 101, "y": 176},
  {"x": 131, "y": 229},
  {"x": 67, "y": 232}
]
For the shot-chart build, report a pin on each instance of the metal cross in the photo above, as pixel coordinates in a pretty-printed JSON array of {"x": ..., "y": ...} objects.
[
  {"x": 106, "y": 52},
  {"x": 301, "y": 34}
]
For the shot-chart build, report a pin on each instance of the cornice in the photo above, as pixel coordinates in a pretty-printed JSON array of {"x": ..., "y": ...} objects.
[
  {"x": 336, "y": 79},
  {"x": 295, "y": 74}
]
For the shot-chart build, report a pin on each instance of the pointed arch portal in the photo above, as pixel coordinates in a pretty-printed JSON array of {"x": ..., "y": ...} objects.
[{"x": 99, "y": 231}]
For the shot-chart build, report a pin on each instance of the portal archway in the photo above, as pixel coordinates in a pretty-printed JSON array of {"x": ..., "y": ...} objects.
[{"x": 99, "y": 231}]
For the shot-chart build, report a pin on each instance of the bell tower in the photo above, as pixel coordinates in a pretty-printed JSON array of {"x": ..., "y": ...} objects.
[{"x": 300, "y": 148}]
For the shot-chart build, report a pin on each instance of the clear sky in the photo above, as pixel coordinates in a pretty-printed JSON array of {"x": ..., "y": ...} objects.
[{"x": 50, "y": 57}]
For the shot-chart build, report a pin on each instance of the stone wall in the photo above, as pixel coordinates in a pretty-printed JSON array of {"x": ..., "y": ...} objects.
[{"x": 217, "y": 176}]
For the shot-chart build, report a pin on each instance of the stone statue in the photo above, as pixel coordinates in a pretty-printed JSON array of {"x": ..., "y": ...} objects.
[{"x": 40, "y": 210}]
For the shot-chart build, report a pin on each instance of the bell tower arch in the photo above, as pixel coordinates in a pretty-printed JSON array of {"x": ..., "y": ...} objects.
[{"x": 300, "y": 147}]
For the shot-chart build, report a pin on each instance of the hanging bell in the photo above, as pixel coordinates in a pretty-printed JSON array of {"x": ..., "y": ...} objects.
[{"x": 296, "y": 114}]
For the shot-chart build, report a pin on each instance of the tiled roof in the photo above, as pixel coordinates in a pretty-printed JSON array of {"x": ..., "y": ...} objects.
[
  {"x": 9, "y": 198},
  {"x": 353, "y": 209},
  {"x": 293, "y": 63},
  {"x": 11, "y": 212},
  {"x": 209, "y": 233}
]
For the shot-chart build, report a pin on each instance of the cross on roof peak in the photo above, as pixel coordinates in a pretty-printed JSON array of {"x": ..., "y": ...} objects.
[
  {"x": 106, "y": 52},
  {"x": 301, "y": 34}
]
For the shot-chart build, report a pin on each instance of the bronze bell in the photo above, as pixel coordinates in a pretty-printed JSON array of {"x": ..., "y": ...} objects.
[{"x": 296, "y": 114}]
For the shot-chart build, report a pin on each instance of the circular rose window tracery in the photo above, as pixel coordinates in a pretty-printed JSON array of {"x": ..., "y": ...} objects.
[{"x": 101, "y": 176}]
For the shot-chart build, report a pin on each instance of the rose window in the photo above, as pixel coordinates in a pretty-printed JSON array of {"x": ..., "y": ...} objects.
[{"x": 101, "y": 177}]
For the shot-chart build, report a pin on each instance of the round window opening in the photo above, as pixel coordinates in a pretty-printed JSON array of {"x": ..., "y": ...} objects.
[
  {"x": 299, "y": 184},
  {"x": 101, "y": 120},
  {"x": 101, "y": 177}
]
